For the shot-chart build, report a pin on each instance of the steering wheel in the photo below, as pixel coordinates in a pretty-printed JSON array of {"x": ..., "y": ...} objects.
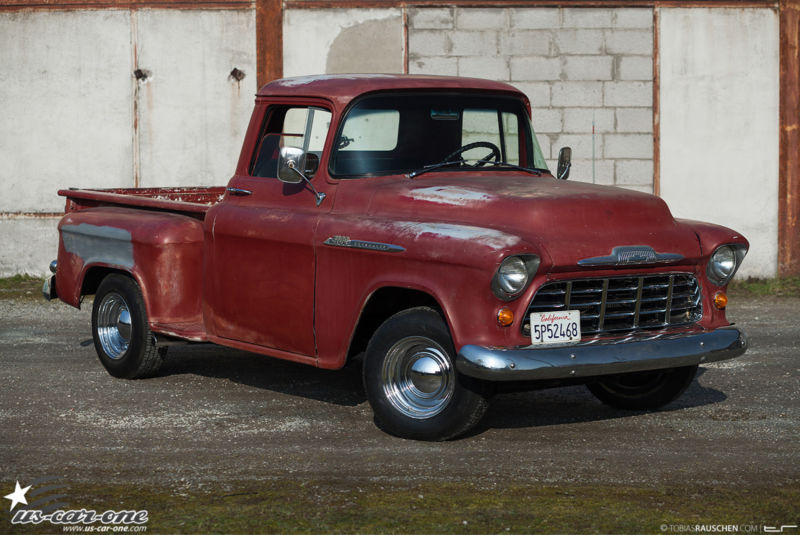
[{"x": 483, "y": 161}]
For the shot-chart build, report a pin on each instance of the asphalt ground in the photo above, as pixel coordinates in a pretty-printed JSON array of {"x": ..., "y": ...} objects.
[{"x": 217, "y": 418}]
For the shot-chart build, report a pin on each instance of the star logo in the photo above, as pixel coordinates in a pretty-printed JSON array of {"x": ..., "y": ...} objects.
[{"x": 18, "y": 496}]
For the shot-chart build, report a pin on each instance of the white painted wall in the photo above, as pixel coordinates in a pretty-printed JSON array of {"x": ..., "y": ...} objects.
[
  {"x": 325, "y": 41},
  {"x": 27, "y": 245},
  {"x": 719, "y": 123},
  {"x": 192, "y": 115},
  {"x": 67, "y": 95},
  {"x": 65, "y": 104}
]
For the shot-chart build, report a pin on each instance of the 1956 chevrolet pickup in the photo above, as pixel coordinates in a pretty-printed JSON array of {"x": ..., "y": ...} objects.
[{"x": 411, "y": 221}]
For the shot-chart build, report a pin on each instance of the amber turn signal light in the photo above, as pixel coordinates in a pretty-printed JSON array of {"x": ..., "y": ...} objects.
[
  {"x": 505, "y": 317},
  {"x": 720, "y": 300}
]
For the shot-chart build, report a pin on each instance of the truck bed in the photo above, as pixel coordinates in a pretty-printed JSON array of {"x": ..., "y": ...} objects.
[{"x": 194, "y": 200}]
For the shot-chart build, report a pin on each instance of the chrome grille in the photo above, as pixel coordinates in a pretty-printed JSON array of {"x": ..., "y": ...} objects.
[{"x": 623, "y": 303}]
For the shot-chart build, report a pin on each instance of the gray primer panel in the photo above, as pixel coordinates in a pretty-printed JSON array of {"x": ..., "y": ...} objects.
[{"x": 94, "y": 243}]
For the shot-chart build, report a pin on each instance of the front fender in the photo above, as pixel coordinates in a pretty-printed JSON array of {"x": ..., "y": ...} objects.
[{"x": 454, "y": 264}]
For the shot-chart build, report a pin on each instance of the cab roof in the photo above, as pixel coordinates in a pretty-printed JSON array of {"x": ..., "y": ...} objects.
[{"x": 342, "y": 88}]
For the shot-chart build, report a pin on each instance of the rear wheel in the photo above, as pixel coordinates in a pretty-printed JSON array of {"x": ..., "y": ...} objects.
[
  {"x": 412, "y": 383},
  {"x": 644, "y": 390},
  {"x": 122, "y": 337}
]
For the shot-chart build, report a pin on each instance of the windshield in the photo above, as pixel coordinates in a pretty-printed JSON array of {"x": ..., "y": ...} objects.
[{"x": 400, "y": 134}]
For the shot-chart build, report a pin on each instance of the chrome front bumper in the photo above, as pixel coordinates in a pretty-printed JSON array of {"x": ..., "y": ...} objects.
[{"x": 601, "y": 357}]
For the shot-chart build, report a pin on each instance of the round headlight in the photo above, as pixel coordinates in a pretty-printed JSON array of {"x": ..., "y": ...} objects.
[
  {"x": 722, "y": 265},
  {"x": 512, "y": 275}
]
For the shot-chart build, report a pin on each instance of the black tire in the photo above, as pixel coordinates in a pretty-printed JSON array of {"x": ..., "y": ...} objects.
[
  {"x": 412, "y": 383},
  {"x": 120, "y": 330},
  {"x": 643, "y": 390}
]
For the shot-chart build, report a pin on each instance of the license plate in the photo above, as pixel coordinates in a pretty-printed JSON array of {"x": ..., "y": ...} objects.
[{"x": 563, "y": 327}]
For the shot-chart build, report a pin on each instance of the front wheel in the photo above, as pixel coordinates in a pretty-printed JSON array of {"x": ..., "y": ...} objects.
[
  {"x": 643, "y": 390},
  {"x": 411, "y": 380},
  {"x": 120, "y": 330}
]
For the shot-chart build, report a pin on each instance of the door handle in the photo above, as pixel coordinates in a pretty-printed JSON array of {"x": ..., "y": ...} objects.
[{"x": 238, "y": 191}]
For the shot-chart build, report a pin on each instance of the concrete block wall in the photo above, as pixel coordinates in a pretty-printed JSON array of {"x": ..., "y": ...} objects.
[{"x": 583, "y": 69}]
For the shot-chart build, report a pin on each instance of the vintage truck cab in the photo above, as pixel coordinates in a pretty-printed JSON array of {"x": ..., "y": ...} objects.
[{"x": 411, "y": 221}]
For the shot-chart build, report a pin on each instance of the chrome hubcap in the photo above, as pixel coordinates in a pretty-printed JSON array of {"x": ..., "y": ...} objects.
[
  {"x": 418, "y": 379},
  {"x": 114, "y": 325},
  {"x": 426, "y": 375}
]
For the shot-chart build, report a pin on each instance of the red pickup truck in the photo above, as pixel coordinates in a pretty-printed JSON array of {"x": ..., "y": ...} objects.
[{"x": 411, "y": 221}]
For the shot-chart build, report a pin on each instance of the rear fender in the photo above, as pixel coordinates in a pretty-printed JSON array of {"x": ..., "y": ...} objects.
[{"x": 162, "y": 251}]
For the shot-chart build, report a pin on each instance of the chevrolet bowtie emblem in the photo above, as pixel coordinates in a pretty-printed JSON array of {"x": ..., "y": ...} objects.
[{"x": 631, "y": 255}]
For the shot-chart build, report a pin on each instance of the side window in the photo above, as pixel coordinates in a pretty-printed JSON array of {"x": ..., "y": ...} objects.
[{"x": 302, "y": 127}]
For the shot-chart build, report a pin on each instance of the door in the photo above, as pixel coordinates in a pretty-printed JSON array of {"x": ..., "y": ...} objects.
[{"x": 262, "y": 240}]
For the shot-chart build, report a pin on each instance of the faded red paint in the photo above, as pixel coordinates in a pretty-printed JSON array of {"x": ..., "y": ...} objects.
[
  {"x": 167, "y": 254},
  {"x": 252, "y": 272},
  {"x": 341, "y": 89},
  {"x": 191, "y": 200}
]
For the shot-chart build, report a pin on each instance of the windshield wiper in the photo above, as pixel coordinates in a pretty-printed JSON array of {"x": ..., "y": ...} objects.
[
  {"x": 431, "y": 167},
  {"x": 532, "y": 170}
]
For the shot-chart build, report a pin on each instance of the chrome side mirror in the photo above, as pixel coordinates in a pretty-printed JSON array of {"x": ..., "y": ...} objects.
[
  {"x": 564, "y": 163},
  {"x": 289, "y": 165}
]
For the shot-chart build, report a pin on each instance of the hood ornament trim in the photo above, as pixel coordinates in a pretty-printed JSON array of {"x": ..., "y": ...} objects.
[{"x": 631, "y": 255}]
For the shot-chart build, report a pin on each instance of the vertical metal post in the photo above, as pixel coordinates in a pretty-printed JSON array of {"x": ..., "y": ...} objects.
[
  {"x": 668, "y": 306},
  {"x": 638, "y": 308},
  {"x": 789, "y": 159},
  {"x": 269, "y": 40},
  {"x": 568, "y": 296},
  {"x": 602, "y": 317}
]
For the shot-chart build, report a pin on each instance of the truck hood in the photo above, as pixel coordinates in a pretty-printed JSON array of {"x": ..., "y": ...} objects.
[{"x": 566, "y": 221}]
